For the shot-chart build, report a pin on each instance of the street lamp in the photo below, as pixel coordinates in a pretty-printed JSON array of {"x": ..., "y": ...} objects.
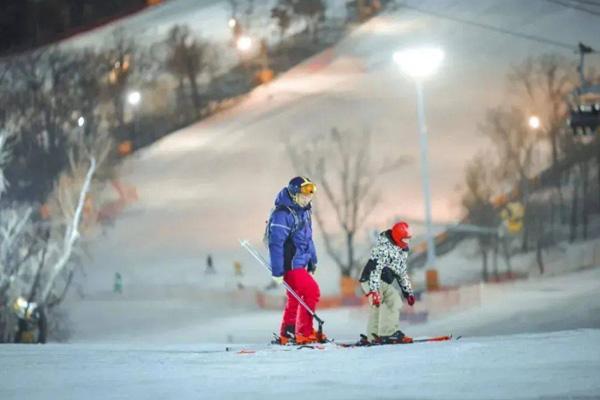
[
  {"x": 80, "y": 121},
  {"x": 534, "y": 122},
  {"x": 134, "y": 98},
  {"x": 244, "y": 43},
  {"x": 418, "y": 65}
]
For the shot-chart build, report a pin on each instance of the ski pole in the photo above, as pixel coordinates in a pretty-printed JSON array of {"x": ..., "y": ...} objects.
[{"x": 246, "y": 244}]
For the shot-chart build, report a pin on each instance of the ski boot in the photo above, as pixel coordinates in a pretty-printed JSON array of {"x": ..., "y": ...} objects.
[
  {"x": 287, "y": 338},
  {"x": 314, "y": 337},
  {"x": 363, "y": 341},
  {"x": 395, "y": 338}
]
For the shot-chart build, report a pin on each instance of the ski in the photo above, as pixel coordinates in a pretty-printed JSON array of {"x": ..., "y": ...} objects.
[
  {"x": 287, "y": 347},
  {"x": 365, "y": 343}
]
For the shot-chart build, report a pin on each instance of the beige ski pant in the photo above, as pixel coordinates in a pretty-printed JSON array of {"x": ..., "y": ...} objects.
[{"x": 385, "y": 319}]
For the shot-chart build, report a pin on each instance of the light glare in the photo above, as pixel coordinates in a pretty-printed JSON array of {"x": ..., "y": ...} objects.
[
  {"x": 419, "y": 63},
  {"x": 244, "y": 43},
  {"x": 80, "y": 121},
  {"x": 534, "y": 122},
  {"x": 134, "y": 98}
]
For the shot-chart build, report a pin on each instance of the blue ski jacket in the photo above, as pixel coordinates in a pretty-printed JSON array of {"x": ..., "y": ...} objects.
[{"x": 291, "y": 244}]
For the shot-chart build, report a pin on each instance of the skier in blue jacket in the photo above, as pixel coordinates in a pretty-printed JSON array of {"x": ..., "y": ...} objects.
[{"x": 294, "y": 258}]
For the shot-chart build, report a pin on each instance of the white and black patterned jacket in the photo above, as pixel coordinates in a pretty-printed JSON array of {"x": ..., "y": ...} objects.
[{"x": 387, "y": 262}]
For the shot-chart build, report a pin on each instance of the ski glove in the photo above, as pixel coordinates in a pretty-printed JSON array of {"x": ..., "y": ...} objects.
[
  {"x": 410, "y": 299},
  {"x": 374, "y": 298},
  {"x": 278, "y": 279},
  {"x": 312, "y": 268}
]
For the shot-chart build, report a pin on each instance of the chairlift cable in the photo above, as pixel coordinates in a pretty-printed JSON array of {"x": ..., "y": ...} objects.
[
  {"x": 492, "y": 28},
  {"x": 575, "y": 7}
]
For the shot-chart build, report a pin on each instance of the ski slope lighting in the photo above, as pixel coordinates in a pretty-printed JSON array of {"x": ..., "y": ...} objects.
[
  {"x": 534, "y": 122},
  {"x": 244, "y": 43},
  {"x": 134, "y": 98},
  {"x": 419, "y": 63}
]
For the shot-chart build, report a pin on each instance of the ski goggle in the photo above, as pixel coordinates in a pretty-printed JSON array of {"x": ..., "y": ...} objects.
[{"x": 308, "y": 188}]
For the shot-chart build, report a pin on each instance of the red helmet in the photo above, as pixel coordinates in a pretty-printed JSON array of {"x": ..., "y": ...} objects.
[{"x": 400, "y": 232}]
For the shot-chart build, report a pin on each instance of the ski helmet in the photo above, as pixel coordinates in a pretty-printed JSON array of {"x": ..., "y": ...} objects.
[
  {"x": 400, "y": 234},
  {"x": 301, "y": 190}
]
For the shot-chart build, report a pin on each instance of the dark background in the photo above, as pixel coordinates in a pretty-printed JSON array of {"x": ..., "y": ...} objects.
[{"x": 26, "y": 24}]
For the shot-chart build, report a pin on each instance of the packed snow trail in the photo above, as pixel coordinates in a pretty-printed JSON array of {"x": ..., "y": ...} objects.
[{"x": 555, "y": 365}]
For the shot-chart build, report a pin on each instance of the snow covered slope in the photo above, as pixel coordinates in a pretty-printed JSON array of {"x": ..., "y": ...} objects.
[
  {"x": 205, "y": 186},
  {"x": 556, "y": 365},
  {"x": 562, "y": 302},
  {"x": 536, "y": 339}
]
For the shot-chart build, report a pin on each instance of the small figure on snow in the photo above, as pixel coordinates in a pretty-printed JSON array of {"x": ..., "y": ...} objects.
[
  {"x": 294, "y": 258},
  {"x": 210, "y": 269},
  {"x": 118, "y": 283},
  {"x": 239, "y": 274},
  {"x": 386, "y": 264}
]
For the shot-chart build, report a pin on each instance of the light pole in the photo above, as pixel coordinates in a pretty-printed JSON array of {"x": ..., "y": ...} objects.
[
  {"x": 418, "y": 65},
  {"x": 134, "y": 98}
]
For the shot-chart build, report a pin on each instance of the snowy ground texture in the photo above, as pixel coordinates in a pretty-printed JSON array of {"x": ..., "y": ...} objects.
[
  {"x": 558, "y": 365},
  {"x": 497, "y": 358}
]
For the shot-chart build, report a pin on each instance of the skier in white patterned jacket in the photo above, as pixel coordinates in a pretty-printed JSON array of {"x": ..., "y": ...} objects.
[{"x": 386, "y": 264}]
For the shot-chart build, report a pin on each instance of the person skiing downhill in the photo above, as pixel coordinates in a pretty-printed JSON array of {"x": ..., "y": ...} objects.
[
  {"x": 294, "y": 259},
  {"x": 386, "y": 264}
]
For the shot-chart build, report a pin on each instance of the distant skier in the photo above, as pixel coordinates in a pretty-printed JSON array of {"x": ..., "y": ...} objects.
[
  {"x": 239, "y": 274},
  {"x": 210, "y": 269},
  {"x": 118, "y": 285},
  {"x": 294, "y": 258},
  {"x": 387, "y": 263}
]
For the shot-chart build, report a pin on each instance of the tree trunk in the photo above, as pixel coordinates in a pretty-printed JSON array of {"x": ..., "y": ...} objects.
[
  {"x": 574, "y": 219},
  {"x": 525, "y": 237},
  {"x": 495, "y": 258},
  {"x": 585, "y": 177},
  {"x": 506, "y": 251},
  {"x": 195, "y": 94},
  {"x": 484, "y": 259},
  {"x": 350, "y": 248},
  {"x": 598, "y": 171},
  {"x": 562, "y": 209},
  {"x": 118, "y": 104},
  {"x": 539, "y": 255}
]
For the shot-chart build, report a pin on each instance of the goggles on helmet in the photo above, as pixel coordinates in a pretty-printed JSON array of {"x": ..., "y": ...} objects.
[{"x": 308, "y": 188}]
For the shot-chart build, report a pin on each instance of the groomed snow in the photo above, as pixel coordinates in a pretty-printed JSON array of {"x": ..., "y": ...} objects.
[
  {"x": 530, "y": 339},
  {"x": 556, "y": 365}
]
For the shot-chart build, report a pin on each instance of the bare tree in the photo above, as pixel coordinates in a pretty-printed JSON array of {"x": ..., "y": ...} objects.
[
  {"x": 342, "y": 166},
  {"x": 312, "y": 12},
  {"x": 71, "y": 193},
  {"x": 188, "y": 58},
  {"x": 476, "y": 200},
  {"x": 120, "y": 61},
  {"x": 545, "y": 82},
  {"x": 28, "y": 243},
  {"x": 63, "y": 252},
  {"x": 515, "y": 146}
]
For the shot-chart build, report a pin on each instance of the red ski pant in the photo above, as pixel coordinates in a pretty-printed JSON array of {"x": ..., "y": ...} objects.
[{"x": 294, "y": 313}]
